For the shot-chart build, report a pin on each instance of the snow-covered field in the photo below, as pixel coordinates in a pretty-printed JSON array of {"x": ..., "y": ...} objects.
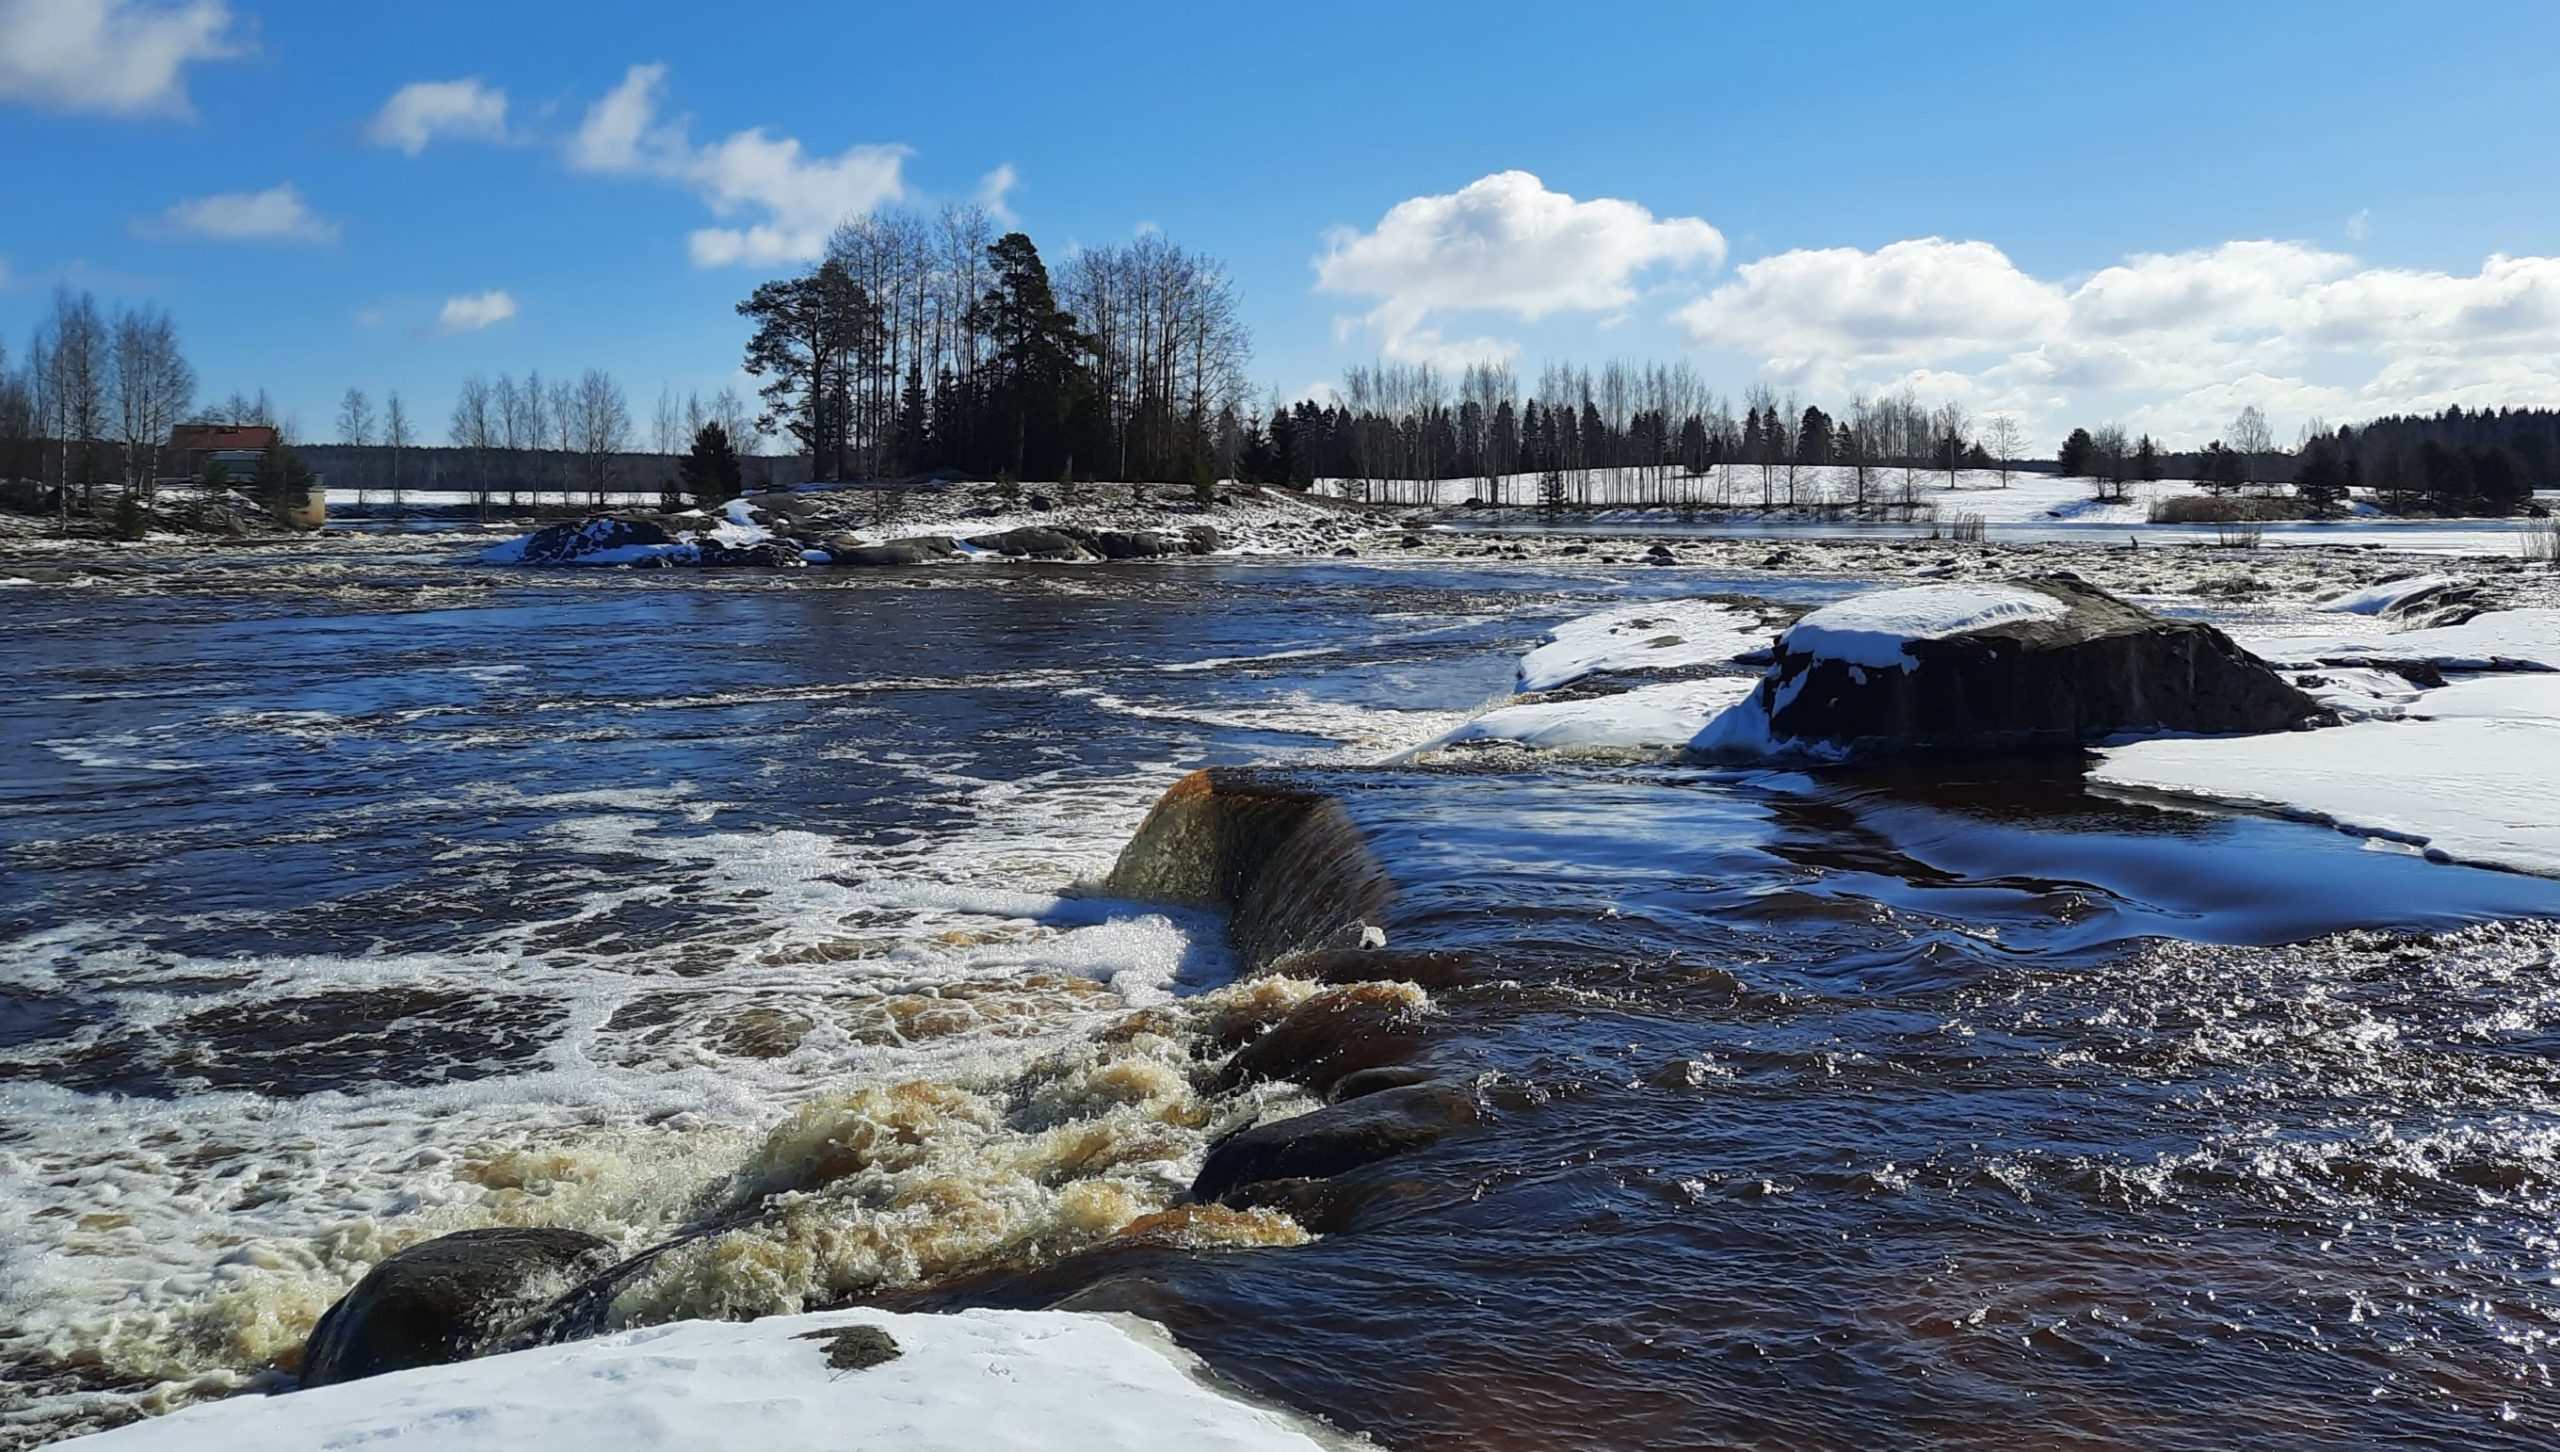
[{"x": 973, "y": 1381}]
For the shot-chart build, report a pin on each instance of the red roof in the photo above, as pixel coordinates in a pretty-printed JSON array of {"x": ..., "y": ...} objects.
[{"x": 222, "y": 436}]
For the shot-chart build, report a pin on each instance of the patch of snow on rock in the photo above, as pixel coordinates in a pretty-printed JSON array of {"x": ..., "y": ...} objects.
[
  {"x": 1649, "y": 636},
  {"x": 1660, "y": 717},
  {"x": 2377, "y": 599},
  {"x": 1871, "y": 630}
]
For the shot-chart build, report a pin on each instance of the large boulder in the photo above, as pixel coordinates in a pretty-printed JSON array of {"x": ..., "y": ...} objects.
[
  {"x": 1278, "y": 854},
  {"x": 602, "y": 539},
  {"x": 446, "y": 1300},
  {"x": 2044, "y": 661},
  {"x": 918, "y": 550},
  {"x": 1034, "y": 543}
]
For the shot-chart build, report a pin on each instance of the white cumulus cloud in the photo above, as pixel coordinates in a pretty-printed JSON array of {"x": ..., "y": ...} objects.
[
  {"x": 2170, "y": 342},
  {"x": 118, "y": 57},
  {"x": 788, "y": 198},
  {"x": 421, "y": 111},
  {"x": 993, "y": 188},
  {"x": 471, "y": 312},
  {"x": 1908, "y": 302},
  {"x": 278, "y": 214},
  {"x": 1505, "y": 243}
]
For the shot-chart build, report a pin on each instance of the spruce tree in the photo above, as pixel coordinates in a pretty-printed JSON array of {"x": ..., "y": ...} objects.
[{"x": 710, "y": 471}]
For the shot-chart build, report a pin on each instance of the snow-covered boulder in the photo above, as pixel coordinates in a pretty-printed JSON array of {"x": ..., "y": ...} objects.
[
  {"x": 606, "y": 539},
  {"x": 2046, "y": 661}
]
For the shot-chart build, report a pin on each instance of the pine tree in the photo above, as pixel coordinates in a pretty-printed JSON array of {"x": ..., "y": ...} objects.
[
  {"x": 2077, "y": 455},
  {"x": 2146, "y": 461},
  {"x": 710, "y": 471},
  {"x": 1039, "y": 353}
]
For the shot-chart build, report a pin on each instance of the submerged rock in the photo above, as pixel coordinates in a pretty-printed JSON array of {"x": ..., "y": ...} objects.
[
  {"x": 446, "y": 1300},
  {"x": 1282, "y": 857},
  {"x": 2045, "y": 661},
  {"x": 1334, "y": 1139}
]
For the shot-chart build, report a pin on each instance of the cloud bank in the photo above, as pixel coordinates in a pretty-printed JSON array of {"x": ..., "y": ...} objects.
[{"x": 111, "y": 57}]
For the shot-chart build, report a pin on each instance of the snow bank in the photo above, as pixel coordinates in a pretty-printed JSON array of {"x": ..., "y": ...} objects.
[
  {"x": 1650, "y": 718},
  {"x": 2468, "y": 775},
  {"x": 1649, "y": 636},
  {"x": 974, "y": 1381},
  {"x": 2377, "y": 599},
  {"x": 1871, "y": 630},
  {"x": 2500, "y": 640}
]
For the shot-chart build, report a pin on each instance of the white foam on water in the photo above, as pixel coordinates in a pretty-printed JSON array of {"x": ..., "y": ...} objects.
[{"x": 1028, "y": 1040}]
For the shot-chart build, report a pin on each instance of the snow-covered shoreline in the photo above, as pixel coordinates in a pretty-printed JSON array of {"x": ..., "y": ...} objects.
[{"x": 968, "y": 1381}]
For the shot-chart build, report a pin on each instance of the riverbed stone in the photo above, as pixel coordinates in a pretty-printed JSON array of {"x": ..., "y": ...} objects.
[
  {"x": 446, "y": 1299},
  {"x": 1335, "y": 1139}
]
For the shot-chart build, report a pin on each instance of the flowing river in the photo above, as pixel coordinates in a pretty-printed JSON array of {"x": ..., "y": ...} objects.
[{"x": 354, "y": 896}]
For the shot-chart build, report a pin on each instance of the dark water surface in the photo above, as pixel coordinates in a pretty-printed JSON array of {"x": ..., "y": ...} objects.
[{"x": 340, "y": 904}]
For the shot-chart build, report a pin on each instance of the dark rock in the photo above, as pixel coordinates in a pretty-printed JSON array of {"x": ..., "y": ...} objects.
[
  {"x": 2102, "y": 668},
  {"x": 1036, "y": 543},
  {"x": 922, "y": 550},
  {"x": 1410, "y": 542},
  {"x": 1332, "y": 1035},
  {"x": 772, "y": 554},
  {"x": 1374, "y": 1081},
  {"x": 1575, "y": 550},
  {"x": 1201, "y": 539},
  {"x": 1334, "y": 1139},
  {"x": 1041, "y": 502},
  {"x": 1284, "y": 860},
  {"x": 1122, "y": 544},
  {"x": 1346, "y": 553},
  {"x": 568, "y": 543},
  {"x": 445, "y": 1300},
  {"x": 855, "y": 1348}
]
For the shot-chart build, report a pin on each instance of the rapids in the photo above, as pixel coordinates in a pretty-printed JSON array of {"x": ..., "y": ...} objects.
[{"x": 352, "y": 899}]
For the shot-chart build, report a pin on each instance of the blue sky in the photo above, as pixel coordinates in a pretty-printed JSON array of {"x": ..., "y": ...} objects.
[{"x": 2154, "y": 213}]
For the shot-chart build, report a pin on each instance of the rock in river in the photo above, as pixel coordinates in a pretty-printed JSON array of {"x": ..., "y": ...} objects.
[
  {"x": 2038, "y": 662},
  {"x": 445, "y": 1300}
]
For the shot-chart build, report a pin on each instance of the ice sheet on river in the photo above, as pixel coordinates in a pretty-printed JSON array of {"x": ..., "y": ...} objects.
[
  {"x": 2501, "y": 640},
  {"x": 980, "y": 1380},
  {"x": 2468, "y": 775}
]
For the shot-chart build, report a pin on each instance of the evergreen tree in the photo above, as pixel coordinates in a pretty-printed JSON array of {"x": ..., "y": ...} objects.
[
  {"x": 2077, "y": 455},
  {"x": 2146, "y": 461},
  {"x": 282, "y": 483},
  {"x": 808, "y": 330},
  {"x": 710, "y": 471},
  {"x": 2321, "y": 479},
  {"x": 1040, "y": 355}
]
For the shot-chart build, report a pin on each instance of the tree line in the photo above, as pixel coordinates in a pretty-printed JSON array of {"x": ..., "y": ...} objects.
[
  {"x": 922, "y": 343},
  {"x": 94, "y": 399},
  {"x": 1626, "y": 433}
]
